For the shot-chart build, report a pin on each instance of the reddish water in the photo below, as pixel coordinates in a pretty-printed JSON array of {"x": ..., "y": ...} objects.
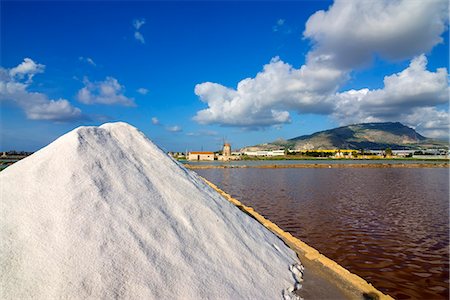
[{"x": 390, "y": 226}]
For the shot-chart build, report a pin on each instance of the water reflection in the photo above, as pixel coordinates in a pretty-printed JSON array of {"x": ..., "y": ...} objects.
[{"x": 389, "y": 226}]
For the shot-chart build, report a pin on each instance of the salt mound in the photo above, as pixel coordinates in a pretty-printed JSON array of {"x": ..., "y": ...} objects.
[{"x": 103, "y": 213}]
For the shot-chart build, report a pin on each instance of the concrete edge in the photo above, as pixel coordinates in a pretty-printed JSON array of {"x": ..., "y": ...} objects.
[{"x": 351, "y": 284}]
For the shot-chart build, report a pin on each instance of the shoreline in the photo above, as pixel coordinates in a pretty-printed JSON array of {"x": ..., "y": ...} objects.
[
  {"x": 322, "y": 166},
  {"x": 321, "y": 267}
]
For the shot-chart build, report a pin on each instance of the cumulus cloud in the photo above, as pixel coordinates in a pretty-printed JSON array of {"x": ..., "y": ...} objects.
[
  {"x": 108, "y": 92},
  {"x": 87, "y": 60},
  {"x": 266, "y": 99},
  {"x": 409, "y": 96},
  {"x": 37, "y": 106},
  {"x": 28, "y": 68},
  {"x": 174, "y": 128},
  {"x": 411, "y": 88},
  {"x": 142, "y": 91},
  {"x": 137, "y": 24},
  {"x": 348, "y": 34},
  {"x": 344, "y": 37},
  {"x": 430, "y": 121},
  {"x": 155, "y": 121}
]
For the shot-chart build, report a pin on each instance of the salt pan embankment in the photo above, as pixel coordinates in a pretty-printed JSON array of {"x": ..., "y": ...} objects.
[{"x": 103, "y": 213}]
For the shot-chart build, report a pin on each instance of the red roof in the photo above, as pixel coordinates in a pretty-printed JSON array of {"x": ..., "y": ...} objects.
[{"x": 201, "y": 152}]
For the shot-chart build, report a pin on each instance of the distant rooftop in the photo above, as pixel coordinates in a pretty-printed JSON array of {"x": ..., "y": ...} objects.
[{"x": 201, "y": 152}]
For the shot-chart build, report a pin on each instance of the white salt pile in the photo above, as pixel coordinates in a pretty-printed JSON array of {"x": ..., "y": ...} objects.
[{"x": 104, "y": 213}]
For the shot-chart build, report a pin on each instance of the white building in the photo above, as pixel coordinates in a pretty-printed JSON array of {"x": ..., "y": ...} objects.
[
  {"x": 275, "y": 153},
  {"x": 265, "y": 153},
  {"x": 201, "y": 155}
]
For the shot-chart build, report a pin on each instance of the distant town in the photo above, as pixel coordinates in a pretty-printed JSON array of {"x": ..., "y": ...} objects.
[
  {"x": 385, "y": 140},
  {"x": 226, "y": 154}
]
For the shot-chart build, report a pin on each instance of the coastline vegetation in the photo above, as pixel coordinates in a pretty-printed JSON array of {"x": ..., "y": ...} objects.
[{"x": 329, "y": 157}]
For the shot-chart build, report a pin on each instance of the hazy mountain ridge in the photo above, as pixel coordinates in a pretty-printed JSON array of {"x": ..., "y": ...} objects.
[{"x": 392, "y": 135}]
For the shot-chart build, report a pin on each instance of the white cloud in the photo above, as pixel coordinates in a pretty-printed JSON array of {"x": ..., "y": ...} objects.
[
  {"x": 351, "y": 32},
  {"x": 57, "y": 110},
  {"x": 142, "y": 91},
  {"x": 344, "y": 37},
  {"x": 408, "y": 96},
  {"x": 37, "y": 106},
  {"x": 174, "y": 128},
  {"x": 413, "y": 87},
  {"x": 138, "y": 36},
  {"x": 137, "y": 23},
  {"x": 155, "y": 121},
  {"x": 87, "y": 60},
  {"x": 430, "y": 121},
  {"x": 27, "y": 68},
  {"x": 106, "y": 92},
  {"x": 266, "y": 99}
]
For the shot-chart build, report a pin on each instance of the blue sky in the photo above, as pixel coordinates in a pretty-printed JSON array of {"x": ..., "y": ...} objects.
[{"x": 177, "y": 70}]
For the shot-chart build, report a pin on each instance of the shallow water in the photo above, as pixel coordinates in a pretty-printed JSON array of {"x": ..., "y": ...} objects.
[
  {"x": 254, "y": 163},
  {"x": 389, "y": 226}
]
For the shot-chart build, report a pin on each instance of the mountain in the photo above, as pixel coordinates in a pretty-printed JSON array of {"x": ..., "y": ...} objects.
[
  {"x": 103, "y": 213},
  {"x": 373, "y": 136}
]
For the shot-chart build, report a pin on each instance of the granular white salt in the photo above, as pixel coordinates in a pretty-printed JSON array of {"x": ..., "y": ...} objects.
[{"x": 103, "y": 213}]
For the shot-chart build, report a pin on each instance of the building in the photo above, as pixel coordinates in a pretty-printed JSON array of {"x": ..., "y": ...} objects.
[
  {"x": 227, "y": 155},
  {"x": 201, "y": 155},
  {"x": 403, "y": 153},
  {"x": 265, "y": 153},
  {"x": 275, "y": 153},
  {"x": 227, "y": 149}
]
